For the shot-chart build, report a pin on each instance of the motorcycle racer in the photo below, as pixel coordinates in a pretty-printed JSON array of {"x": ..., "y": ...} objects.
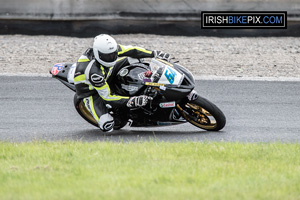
[{"x": 96, "y": 66}]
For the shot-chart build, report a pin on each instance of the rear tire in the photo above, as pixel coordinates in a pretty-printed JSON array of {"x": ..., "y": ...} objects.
[
  {"x": 203, "y": 114},
  {"x": 85, "y": 114},
  {"x": 83, "y": 111}
]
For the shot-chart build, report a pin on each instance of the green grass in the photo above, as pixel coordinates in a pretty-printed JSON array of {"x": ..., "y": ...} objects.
[{"x": 149, "y": 170}]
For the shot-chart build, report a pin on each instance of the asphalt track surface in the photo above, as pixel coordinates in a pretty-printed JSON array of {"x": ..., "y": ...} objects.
[{"x": 41, "y": 108}]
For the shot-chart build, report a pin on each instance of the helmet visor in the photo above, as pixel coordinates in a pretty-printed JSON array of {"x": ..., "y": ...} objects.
[{"x": 110, "y": 57}]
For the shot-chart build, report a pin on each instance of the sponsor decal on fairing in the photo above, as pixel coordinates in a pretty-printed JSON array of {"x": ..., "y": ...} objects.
[
  {"x": 129, "y": 88},
  {"x": 56, "y": 68},
  {"x": 167, "y": 104}
]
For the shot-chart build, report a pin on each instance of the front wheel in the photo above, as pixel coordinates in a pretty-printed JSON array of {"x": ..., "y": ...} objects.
[{"x": 203, "y": 114}]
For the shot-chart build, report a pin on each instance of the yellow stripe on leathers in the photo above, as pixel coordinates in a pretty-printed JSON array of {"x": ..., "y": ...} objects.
[
  {"x": 79, "y": 78},
  {"x": 83, "y": 60},
  {"x": 132, "y": 48},
  {"x": 92, "y": 108},
  {"x": 105, "y": 93}
]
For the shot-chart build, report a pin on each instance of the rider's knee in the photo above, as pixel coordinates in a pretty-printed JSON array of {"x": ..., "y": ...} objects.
[{"x": 106, "y": 123}]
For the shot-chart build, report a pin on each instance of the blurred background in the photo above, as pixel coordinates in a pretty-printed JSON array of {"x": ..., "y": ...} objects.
[{"x": 86, "y": 18}]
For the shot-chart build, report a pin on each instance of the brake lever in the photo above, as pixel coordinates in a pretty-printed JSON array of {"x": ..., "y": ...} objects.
[{"x": 176, "y": 61}]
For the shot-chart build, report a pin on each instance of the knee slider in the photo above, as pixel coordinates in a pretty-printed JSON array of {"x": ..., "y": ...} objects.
[{"x": 106, "y": 123}]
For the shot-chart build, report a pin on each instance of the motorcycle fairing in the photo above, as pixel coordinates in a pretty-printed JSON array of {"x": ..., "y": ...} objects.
[
  {"x": 64, "y": 74},
  {"x": 165, "y": 73}
]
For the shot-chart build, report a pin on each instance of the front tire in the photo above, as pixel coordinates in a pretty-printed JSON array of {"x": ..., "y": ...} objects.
[{"x": 203, "y": 114}]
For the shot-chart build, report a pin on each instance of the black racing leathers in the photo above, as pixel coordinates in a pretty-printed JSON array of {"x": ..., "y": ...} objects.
[{"x": 91, "y": 78}]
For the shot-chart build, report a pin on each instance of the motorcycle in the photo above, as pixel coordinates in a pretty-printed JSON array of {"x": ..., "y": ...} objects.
[{"x": 171, "y": 86}]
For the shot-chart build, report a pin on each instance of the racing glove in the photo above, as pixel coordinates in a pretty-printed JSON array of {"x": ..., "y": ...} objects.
[
  {"x": 162, "y": 55},
  {"x": 138, "y": 101}
]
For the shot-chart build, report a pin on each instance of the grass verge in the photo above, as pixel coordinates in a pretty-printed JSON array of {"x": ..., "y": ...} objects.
[{"x": 149, "y": 170}]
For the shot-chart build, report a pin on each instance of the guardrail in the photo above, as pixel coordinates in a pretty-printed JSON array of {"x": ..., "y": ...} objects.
[{"x": 86, "y": 17}]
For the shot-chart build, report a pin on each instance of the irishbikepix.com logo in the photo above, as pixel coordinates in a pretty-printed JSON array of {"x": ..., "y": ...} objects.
[{"x": 243, "y": 19}]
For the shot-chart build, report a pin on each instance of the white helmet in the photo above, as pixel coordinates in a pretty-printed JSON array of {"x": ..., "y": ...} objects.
[{"x": 105, "y": 50}]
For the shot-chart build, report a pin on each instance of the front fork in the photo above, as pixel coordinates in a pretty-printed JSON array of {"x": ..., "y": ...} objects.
[{"x": 180, "y": 106}]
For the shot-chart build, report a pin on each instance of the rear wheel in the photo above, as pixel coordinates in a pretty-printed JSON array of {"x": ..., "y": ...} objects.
[
  {"x": 203, "y": 114},
  {"x": 85, "y": 114},
  {"x": 83, "y": 111}
]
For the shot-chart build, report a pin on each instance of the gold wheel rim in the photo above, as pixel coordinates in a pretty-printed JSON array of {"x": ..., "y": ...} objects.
[
  {"x": 203, "y": 117},
  {"x": 86, "y": 113}
]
